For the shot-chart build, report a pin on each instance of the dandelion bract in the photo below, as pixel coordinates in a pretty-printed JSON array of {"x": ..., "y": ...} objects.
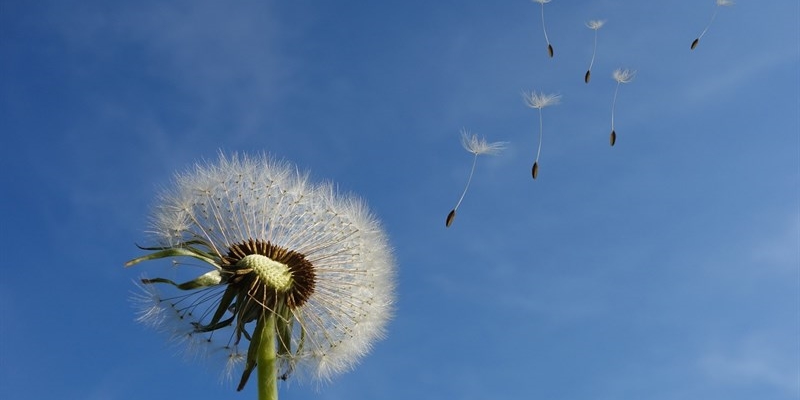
[
  {"x": 719, "y": 3},
  {"x": 477, "y": 146},
  {"x": 299, "y": 278},
  {"x": 621, "y": 76},
  {"x": 539, "y": 101}
]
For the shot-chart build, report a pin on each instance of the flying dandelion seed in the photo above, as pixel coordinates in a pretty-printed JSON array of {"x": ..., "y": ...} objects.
[
  {"x": 476, "y": 146},
  {"x": 544, "y": 28},
  {"x": 621, "y": 76},
  {"x": 539, "y": 101},
  {"x": 719, "y": 3},
  {"x": 300, "y": 279},
  {"x": 594, "y": 25}
]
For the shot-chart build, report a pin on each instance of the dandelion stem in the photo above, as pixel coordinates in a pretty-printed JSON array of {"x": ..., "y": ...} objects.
[
  {"x": 541, "y": 132},
  {"x": 594, "y": 52},
  {"x": 713, "y": 15},
  {"x": 544, "y": 29},
  {"x": 469, "y": 180},
  {"x": 267, "y": 357},
  {"x": 614, "y": 105}
]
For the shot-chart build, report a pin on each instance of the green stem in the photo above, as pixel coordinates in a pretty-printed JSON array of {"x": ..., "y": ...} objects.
[{"x": 267, "y": 359}]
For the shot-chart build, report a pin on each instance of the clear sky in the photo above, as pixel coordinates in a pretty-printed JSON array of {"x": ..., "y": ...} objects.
[{"x": 665, "y": 267}]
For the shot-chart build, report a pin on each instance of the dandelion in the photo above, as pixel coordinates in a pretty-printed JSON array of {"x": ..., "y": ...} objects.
[
  {"x": 298, "y": 278},
  {"x": 539, "y": 101},
  {"x": 594, "y": 25},
  {"x": 621, "y": 76},
  {"x": 720, "y": 3},
  {"x": 549, "y": 46},
  {"x": 476, "y": 146}
]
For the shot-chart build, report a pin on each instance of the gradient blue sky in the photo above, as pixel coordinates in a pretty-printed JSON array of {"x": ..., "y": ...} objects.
[{"x": 666, "y": 267}]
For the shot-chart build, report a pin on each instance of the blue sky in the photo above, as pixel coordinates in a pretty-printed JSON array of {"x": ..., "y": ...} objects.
[{"x": 666, "y": 267}]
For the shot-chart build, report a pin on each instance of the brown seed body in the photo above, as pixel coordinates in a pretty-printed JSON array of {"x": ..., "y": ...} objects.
[
  {"x": 587, "y": 76},
  {"x": 613, "y": 138},
  {"x": 450, "y": 218},
  {"x": 535, "y": 169},
  {"x": 550, "y": 50},
  {"x": 694, "y": 44}
]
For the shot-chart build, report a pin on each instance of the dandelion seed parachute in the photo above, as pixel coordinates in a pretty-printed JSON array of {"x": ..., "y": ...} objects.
[
  {"x": 539, "y": 101},
  {"x": 594, "y": 25},
  {"x": 477, "y": 146},
  {"x": 719, "y": 3},
  {"x": 544, "y": 28},
  {"x": 621, "y": 76}
]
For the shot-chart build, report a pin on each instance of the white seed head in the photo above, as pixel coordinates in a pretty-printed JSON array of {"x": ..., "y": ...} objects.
[
  {"x": 240, "y": 198},
  {"x": 540, "y": 100},
  {"x": 623, "y": 75},
  {"x": 541, "y": 1},
  {"x": 475, "y": 145},
  {"x": 724, "y": 2},
  {"x": 595, "y": 24}
]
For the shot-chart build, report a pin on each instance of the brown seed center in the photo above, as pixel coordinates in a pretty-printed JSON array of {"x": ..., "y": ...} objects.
[{"x": 302, "y": 277}]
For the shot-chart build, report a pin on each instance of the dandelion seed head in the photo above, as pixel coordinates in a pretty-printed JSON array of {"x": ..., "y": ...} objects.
[
  {"x": 317, "y": 259},
  {"x": 540, "y": 100},
  {"x": 623, "y": 75},
  {"x": 595, "y": 24},
  {"x": 476, "y": 145},
  {"x": 541, "y": 1},
  {"x": 724, "y": 2}
]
